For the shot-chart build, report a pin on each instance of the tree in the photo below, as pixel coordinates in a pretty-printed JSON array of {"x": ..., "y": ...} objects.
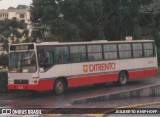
[
  {"x": 4, "y": 61},
  {"x": 156, "y": 32},
  {"x": 44, "y": 10},
  {"x": 85, "y": 16},
  {"x": 86, "y": 20},
  {"x": 10, "y": 28},
  {"x": 70, "y": 20},
  {"x": 121, "y": 17},
  {"x": 5, "y": 45},
  {"x": 43, "y": 13}
]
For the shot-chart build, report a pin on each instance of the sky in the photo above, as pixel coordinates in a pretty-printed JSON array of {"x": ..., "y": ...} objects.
[{"x": 5, "y": 4}]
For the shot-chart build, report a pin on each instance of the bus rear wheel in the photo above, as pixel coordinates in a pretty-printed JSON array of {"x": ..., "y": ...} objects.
[
  {"x": 123, "y": 78},
  {"x": 59, "y": 86}
]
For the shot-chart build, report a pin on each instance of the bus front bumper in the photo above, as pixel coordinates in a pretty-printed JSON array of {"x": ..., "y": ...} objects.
[
  {"x": 42, "y": 85},
  {"x": 34, "y": 87}
]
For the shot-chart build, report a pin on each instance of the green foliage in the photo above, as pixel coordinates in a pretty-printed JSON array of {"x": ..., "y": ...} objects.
[
  {"x": 70, "y": 20},
  {"x": 4, "y": 60},
  {"x": 65, "y": 31},
  {"x": 5, "y": 45},
  {"x": 85, "y": 20},
  {"x": 22, "y": 24},
  {"x": 121, "y": 17},
  {"x": 156, "y": 29},
  {"x": 46, "y": 10},
  {"x": 10, "y": 27}
]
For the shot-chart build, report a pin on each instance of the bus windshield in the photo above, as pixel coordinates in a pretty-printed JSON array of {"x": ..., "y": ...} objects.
[{"x": 22, "y": 61}]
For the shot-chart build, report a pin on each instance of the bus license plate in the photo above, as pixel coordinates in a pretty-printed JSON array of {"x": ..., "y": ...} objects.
[{"x": 20, "y": 87}]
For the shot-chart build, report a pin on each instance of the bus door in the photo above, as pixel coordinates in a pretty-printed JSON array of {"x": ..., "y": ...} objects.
[
  {"x": 45, "y": 60},
  {"x": 45, "y": 63}
]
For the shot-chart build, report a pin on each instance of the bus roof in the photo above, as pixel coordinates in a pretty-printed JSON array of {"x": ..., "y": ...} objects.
[
  {"x": 85, "y": 42},
  {"x": 90, "y": 42}
]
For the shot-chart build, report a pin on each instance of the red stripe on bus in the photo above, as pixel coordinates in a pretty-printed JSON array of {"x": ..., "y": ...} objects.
[
  {"x": 45, "y": 85},
  {"x": 87, "y": 80},
  {"x": 142, "y": 73},
  {"x": 102, "y": 78},
  {"x": 23, "y": 87}
]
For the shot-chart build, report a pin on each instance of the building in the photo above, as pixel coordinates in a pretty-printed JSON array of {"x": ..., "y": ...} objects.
[{"x": 22, "y": 12}]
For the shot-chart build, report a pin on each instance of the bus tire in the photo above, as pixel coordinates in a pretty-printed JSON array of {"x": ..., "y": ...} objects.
[
  {"x": 123, "y": 78},
  {"x": 59, "y": 86}
]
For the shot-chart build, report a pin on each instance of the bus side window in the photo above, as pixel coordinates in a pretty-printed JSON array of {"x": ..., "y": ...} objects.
[
  {"x": 137, "y": 50},
  {"x": 148, "y": 49},
  {"x": 110, "y": 51},
  {"x": 61, "y": 55},
  {"x": 125, "y": 51},
  {"x": 78, "y": 53},
  {"x": 42, "y": 57},
  {"x": 45, "y": 58},
  {"x": 94, "y": 52},
  {"x": 50, "y": 57}
]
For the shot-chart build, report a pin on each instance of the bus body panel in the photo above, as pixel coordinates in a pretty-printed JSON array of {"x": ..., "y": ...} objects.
[
  {"x": 89, "y": 75},
  {"x": 98, "y": 72}
]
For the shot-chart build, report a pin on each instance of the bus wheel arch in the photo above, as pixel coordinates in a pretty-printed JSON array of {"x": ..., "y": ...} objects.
[
  {"x": 60, "y": 85},
  {"x": 123, "y": 77}
]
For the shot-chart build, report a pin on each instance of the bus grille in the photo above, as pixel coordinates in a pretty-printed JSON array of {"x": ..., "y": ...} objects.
[{"x": 20, "y": 81}]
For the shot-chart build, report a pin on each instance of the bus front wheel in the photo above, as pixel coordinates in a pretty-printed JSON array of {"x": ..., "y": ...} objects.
[
  {"x": 123, "y": 78},
  {"x": 59, "y": 86}
]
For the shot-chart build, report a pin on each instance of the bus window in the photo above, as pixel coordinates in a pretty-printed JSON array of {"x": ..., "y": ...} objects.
[
  {"x": 110, "y": 51},
  {"x": 148, "y": 49},
  {"x": 137, "y": 50},
  {"x": 42, "y": 56},
  {"x": 77, "y": 53},
  {"x": 50, "y": 57},
  {"x": 23, "y": 61},
  {"x": 61, "y": 55},
  {"x": 125, "y": 51},
  {"x": 94, "y": 52},
  {"x": 45, "y": 58}
]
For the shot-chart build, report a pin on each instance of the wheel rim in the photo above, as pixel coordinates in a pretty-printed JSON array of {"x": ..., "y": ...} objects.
[
  {"x": 123, "y": 78},
  {"x": 59, "y": 87}
]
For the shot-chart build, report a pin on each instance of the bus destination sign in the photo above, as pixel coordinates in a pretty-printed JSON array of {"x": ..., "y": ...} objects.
[{"x": 22, "y": 47}]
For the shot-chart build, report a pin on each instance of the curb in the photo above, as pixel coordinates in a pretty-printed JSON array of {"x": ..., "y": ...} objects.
[{"x": 152, "y": 90}]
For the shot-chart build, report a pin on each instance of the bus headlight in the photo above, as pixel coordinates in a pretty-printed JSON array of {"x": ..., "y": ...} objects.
[{"x": 33, "y": 81}]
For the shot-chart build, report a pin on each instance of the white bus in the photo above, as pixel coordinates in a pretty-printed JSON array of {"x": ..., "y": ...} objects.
[{"x": 58, "y": 66}]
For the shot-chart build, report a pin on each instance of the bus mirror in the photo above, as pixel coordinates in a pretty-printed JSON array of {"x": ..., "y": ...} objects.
[{"x": 41, "y": 69}]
